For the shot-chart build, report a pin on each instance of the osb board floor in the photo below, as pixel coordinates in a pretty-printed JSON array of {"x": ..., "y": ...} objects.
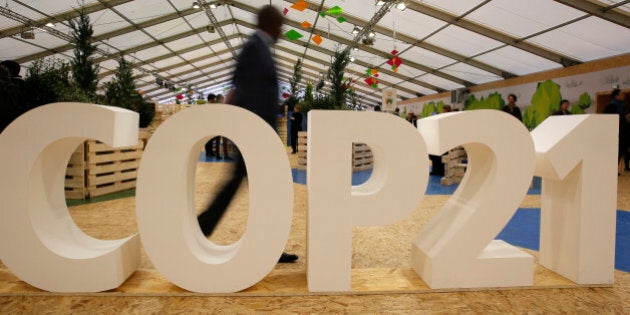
[{"x": 378, "y": 253}]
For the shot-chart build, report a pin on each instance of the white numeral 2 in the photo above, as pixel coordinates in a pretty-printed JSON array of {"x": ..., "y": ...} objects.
[{"x": 456, "y": 248}]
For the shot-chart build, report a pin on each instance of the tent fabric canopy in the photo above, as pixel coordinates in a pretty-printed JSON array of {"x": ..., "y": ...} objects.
[{"x": 444, "y": 44}]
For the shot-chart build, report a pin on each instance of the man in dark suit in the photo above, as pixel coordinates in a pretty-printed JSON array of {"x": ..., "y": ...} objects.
[
  {"x": 511, "y": 107},
  {"x": 256, "y": 89},
  {"x": 296, "y": 126}
]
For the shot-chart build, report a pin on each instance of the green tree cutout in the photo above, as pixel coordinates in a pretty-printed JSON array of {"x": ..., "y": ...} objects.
[
  {"x": 583, "y": 103},
  {"x": 493, "y": 101},
  {"x": 431, "y": 108},
  {"x": 84, "y": 71},
  {"x": 545, "y": 101}
]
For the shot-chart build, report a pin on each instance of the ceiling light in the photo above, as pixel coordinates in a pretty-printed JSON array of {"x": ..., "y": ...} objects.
[
  {"x": 351, "y": 59},
  {"x": 371, "y": 34},
  {"x": 356, "y": 30},
  {"x": 355, "y": 48},
  {"x": 196, "y": 5},
  {"x": 401, "y": 6},
  {"x": 50, "y": 24},
  {"x": 213, "y": 5},
  {"x": 380, "y": 2}
]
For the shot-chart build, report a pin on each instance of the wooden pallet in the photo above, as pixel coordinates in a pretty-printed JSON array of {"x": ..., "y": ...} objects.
[
  {"x": 282, "y": 129},
  {"x": 454, "y": 169},
  {"x": 111, "y": 169},
  {"x": 362, "y": 158},
  {"x": 75, "y": 174},
  {"x": 302, "y": 149}
]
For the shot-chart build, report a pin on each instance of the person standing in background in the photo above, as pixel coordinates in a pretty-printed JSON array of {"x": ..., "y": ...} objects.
[
  {"x": 255, "y": 84},
  {"x": 296, "y": 126},
  {"x": 212, "y": 98},
  {"x": 225, "y": 142},
  {"x": 564, "y": 108},
  {"x": 616, "y": 106},
  {"x": 511, "y": 107}
]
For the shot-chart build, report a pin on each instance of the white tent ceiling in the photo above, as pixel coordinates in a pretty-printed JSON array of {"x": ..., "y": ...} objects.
[{"x": 444, "y": 44}]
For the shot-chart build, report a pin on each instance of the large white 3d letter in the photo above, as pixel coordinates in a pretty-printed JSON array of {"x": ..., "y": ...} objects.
[
  {"x": 456, "y": 248},
  {"x": 40, "y": 242},
  {"x": 394, "y": 190},
  {"x": 165, "y": 201},
  {"x": 577, "y": 159}
]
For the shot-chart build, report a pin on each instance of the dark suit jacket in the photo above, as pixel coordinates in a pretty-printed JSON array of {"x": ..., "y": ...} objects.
[
  {"x": 514, "y": 111},
  {"x": 256, "y": 80}
]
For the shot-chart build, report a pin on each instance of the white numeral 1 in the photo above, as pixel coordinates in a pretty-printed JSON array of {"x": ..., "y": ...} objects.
[
  {"x": 577, "y": 159},
  {"x": 456, "y": 248}
]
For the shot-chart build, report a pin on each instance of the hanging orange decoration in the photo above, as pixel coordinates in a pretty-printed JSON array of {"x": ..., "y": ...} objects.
[
  {"x": 141, "y": 92},
  {"x": 372, "y": 75},
  {"x": 301, "y": 5},
  {"x": 317, "y": 39},
  {"x": 306, "y": 24}
]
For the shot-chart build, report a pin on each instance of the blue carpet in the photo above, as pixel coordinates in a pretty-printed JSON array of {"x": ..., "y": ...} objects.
[
  {"x": 204, "y": 158},
  {"x": 434, "y": 187},
  {"x": 523, "y": 230}
]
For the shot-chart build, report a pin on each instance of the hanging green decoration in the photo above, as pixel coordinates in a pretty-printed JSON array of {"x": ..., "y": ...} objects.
[
  {"x": 322, "y": 14},
  {"x": 293, "y": 35},
  {"x": 335, "y": 11},
  {"x": 341, "y": 19}
]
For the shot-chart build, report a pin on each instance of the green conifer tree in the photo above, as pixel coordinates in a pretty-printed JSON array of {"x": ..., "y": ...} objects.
[
  {"x": 84, "y": 71},
  {"x": 121, "y": 92}
]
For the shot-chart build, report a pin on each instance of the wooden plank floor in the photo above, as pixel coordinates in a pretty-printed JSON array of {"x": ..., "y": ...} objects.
[{"x": 382, "y": 280}]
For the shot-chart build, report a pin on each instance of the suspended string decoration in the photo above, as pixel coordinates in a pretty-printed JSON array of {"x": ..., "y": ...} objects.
[
  {"x": 394, "y": 61},
  {"x": 372, "y": 77},
  {"x": 302, "y": 5}
]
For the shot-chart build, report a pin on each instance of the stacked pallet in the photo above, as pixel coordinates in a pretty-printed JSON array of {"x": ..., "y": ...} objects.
[
  {"x": 361, "y": 157},
  {"x": 454, "y": 166},
  {"x": 75, "y": 174},
  {"x": 111, "y": 169},
  {"x": 164, "y": 111},
  {"x": 282, "y": 129},
  {"x": 302, "y": 150},
  {"x": 96, "y": 169}
]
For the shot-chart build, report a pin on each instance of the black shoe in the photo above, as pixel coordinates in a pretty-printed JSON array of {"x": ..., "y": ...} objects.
[
  {"x": 227, "y": 158},
  {"x": 293, "y": 152},
  {"x": 219, "y": 157},
  {"x": 287, "y": 258},
  {"x": 627, "y": 169}
]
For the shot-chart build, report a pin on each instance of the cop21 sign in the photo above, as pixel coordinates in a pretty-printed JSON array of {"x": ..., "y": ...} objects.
[{"x": 575, "y": 156}]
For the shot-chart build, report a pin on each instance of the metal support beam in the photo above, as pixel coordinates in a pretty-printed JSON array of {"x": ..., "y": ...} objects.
[
  {"x": 215, "y": 22},
  {"x": 479, "y": 29},
  {"x": 375, "y": 52},
  {"x": 421, "y": 44},
  {"x": 108, "y": 35},
  {"x": 71, "y": 14},
  {"x": 599, "y": 11}
]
